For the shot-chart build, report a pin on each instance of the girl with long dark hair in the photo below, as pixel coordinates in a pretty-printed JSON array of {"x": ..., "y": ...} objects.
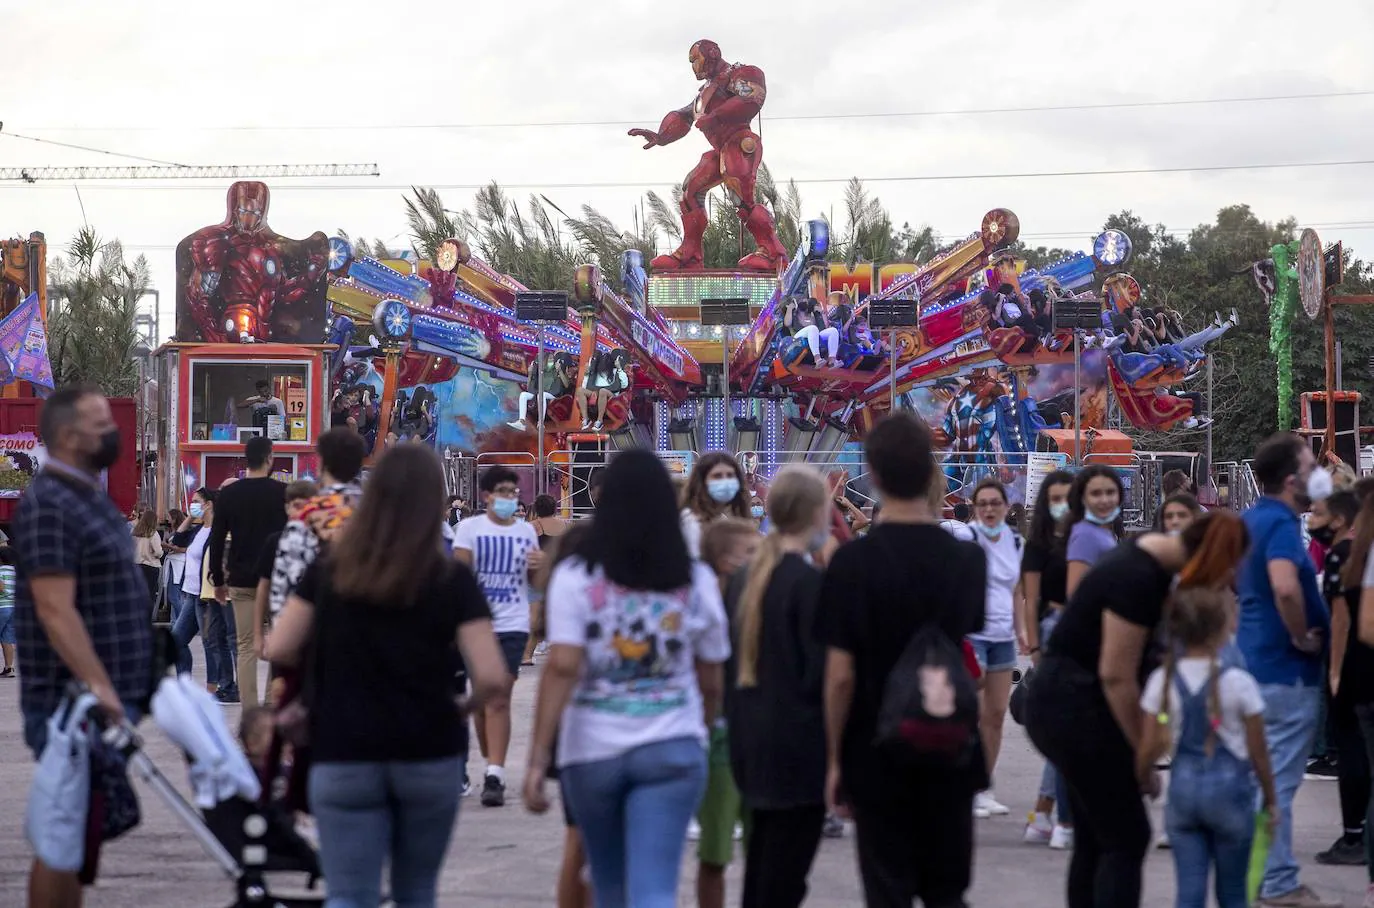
[
  {"x": 714, "y": 489},
  {"x": 776, "y": 717},
  {"x": 1177, "y": 511},
  {"x": 637, "y": 641},
  {"x": 1094, "y": 522},
  {"x": 1083, "y": 711},
  {"x": 382, "y": 611},
  {"x": 1044, "y": 575}
]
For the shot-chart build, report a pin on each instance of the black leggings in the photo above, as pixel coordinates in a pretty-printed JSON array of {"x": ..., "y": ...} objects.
[
  {"x": 1351, "y": 762},
  {"x": 1069, "y": 722},
  {"x": 782, "y": 846}
]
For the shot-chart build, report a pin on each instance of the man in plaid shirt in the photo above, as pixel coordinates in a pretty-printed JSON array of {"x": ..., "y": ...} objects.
[{"x": 81, "y": 606}]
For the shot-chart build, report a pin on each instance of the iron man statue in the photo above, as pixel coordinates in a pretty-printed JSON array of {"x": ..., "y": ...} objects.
[
  {"x": 725, "y": 106},
  {"x": 242, "y": 282}
]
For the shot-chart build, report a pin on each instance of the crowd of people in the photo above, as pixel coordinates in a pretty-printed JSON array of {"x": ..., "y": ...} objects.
[{"x": 724, "y": 659}]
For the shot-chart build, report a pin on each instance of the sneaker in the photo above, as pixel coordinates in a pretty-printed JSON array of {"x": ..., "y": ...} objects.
[
  {"x": 227, "y": 696},
  {"x": 518, "y": 425},
  {"x": 1320, "y": 768},
  {"x": 1302, "y": 897},
  {"x": 693, "y": 830},
  {"x": 1039, "y": 829},
  {"x": 1344, "y": 852},
  {"x": 493, "y": 792},
  {"x": 542, "y": 649},
  {"x": 6, "y": 672},
  {"x": 467, "y": 785},
  {"x": 833, "y": 828},
  {"x": 990, "y": 806},
  {"x": 1062, "y": 838}
]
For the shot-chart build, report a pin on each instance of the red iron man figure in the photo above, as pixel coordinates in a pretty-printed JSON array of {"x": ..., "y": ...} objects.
[
  {"x": 242, "y": 282},
  {"x": 725, "y": 106}
]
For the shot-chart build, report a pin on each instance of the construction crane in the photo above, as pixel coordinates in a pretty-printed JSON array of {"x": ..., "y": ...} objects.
[{"x": 208, "y": 172}]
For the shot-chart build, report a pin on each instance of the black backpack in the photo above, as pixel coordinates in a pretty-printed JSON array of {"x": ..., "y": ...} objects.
[
  {"x": 929, "y": 711},
  {"x": 928, "y": 717}
]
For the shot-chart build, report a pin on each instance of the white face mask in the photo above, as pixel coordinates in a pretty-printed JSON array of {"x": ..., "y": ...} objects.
[{"x": 1319, "y": 484}]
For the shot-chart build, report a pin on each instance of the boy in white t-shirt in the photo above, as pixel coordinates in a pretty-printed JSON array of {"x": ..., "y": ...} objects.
[
  {"x": 503, "y": 552},
  {"x": 1215, "y": 716}
]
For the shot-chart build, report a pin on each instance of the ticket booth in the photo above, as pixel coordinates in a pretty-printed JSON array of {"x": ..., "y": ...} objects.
[{"x": 210, "y": 408}]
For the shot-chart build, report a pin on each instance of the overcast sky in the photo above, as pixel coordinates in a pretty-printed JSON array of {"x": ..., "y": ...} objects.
[{"x": 182, "y": 82}]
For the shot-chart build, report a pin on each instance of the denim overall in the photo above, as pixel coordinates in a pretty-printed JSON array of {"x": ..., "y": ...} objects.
[{"x": 1211, "y": 811}]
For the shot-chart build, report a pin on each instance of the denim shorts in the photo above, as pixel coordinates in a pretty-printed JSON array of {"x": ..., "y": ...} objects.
[
  {"x": 513, "y": 648},
  {"x": 994, "y": 655},
  {"x": 7, "y": 625}
]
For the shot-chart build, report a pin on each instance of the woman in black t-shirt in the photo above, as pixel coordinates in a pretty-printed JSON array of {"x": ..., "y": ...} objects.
[
  {"x": 381, "y": 613},
  {"x": 1044, "y": 575},
  {"x": 1357, "y": 668},
  {"x": 1082, "y": 711}
]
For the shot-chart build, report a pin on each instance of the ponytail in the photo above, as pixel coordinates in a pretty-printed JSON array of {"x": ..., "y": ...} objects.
[
  {"x": 749, "y": 617},
  {"x": 1215, "y": 543}
]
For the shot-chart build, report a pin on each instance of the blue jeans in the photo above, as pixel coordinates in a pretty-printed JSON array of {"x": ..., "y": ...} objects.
[
  {"x": 178, "y": 604},
  {"x": 632, "y": 811},
  {"x": 371, "y": 814},
  {"x": 221, "y": 643},
  {"x": 1211, "y": 820},
  {"x": 1290, "y": 724}
]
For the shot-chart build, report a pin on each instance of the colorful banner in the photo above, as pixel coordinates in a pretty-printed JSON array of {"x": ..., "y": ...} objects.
[
  {"x": 21, "y": 456},
  {"x": 1040, "y": 464},
  {"x": 24, "y": 345}
]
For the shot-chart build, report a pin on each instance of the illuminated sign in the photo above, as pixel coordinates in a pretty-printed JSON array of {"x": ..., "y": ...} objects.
[
  {"x": 676, "y": 290},
  {"x": 661, "y": 350}
]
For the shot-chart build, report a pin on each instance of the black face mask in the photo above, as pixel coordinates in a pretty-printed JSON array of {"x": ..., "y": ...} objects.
[
  {"x": 1325, "y": 535},
  {"x": 108, "y": 452}
]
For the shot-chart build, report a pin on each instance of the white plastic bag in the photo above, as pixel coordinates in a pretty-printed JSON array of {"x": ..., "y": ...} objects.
[{"x": 55, "y": 822}]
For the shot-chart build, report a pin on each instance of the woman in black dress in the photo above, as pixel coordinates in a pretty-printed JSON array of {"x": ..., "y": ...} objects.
[{"x": 1082, "y": 711}]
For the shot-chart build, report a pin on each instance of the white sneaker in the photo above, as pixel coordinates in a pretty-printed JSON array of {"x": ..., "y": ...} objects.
[
  {"x": 988, "y": 805},
  {"x": 1039, "y": 829},
  {"x": 518, "y": 425},
  {"x": 1062, "y": 838},
  {"x": 693, "y": 830}
]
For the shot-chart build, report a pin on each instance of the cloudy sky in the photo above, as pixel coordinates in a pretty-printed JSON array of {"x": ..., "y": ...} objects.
[{"x": 416, "y": 88}]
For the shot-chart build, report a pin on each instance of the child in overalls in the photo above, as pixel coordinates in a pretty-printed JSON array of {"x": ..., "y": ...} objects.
[{"x": 1213, "y": 711}]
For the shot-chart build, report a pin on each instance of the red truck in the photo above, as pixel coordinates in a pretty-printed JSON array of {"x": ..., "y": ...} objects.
[{"x": 22, "y": 452}]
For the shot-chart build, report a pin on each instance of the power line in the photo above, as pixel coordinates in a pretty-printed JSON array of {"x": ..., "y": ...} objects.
[
  {"x": 552, "y": 124},
  {"x": 911, "y": 178},
  {"x": 116, "y": 154},
  {"x": 945, "y": 235}
]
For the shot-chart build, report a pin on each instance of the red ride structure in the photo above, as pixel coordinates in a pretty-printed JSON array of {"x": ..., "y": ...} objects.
[{"x": 724, "y": 109}]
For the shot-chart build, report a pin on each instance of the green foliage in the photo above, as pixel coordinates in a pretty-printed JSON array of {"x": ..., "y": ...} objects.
[
  {"x": 91, "y": 332},
  {"x": 530, "y": 247},
  {"x": 1209, "y": 272}
]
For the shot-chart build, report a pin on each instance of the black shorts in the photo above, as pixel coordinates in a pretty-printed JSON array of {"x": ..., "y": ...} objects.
[{"x": 513, "y": 648}]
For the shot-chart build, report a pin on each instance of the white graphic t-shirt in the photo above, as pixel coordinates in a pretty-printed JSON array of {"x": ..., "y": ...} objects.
[
  {"x": 500, "y": 559},
  {"x": 638, "y": 684}
]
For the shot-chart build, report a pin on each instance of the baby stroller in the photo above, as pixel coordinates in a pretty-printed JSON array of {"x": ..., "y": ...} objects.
[{"x": 239, "y": 828}]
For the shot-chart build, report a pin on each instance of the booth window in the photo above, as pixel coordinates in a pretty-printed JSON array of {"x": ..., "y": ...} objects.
[{"x": 226, "y": 406}]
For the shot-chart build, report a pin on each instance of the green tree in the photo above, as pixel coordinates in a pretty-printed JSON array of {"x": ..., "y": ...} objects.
[{"x": 91, "y": 332}]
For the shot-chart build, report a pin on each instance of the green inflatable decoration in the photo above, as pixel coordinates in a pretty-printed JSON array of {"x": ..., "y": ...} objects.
[{"x": 1281, "y": 311}]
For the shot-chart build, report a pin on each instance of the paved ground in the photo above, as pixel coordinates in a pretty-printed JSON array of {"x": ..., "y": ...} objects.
[{"x": 508, "y": 857}]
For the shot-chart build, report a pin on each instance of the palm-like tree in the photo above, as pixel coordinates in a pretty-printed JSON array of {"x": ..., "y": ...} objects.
[{"x": 91, "y": 333}]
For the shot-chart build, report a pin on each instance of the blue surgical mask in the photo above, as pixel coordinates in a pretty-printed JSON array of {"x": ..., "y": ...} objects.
[
  {"x": 722, "y": 490},
  {"x": 504, "y": 508},
  {"x": 756, "y": 512},
  {"x": 1107, "y": 520},
  {"x": 1059, "y": 510},
  {"x": 990, "y": 531},
  {"x": 197, "y": 510}
]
